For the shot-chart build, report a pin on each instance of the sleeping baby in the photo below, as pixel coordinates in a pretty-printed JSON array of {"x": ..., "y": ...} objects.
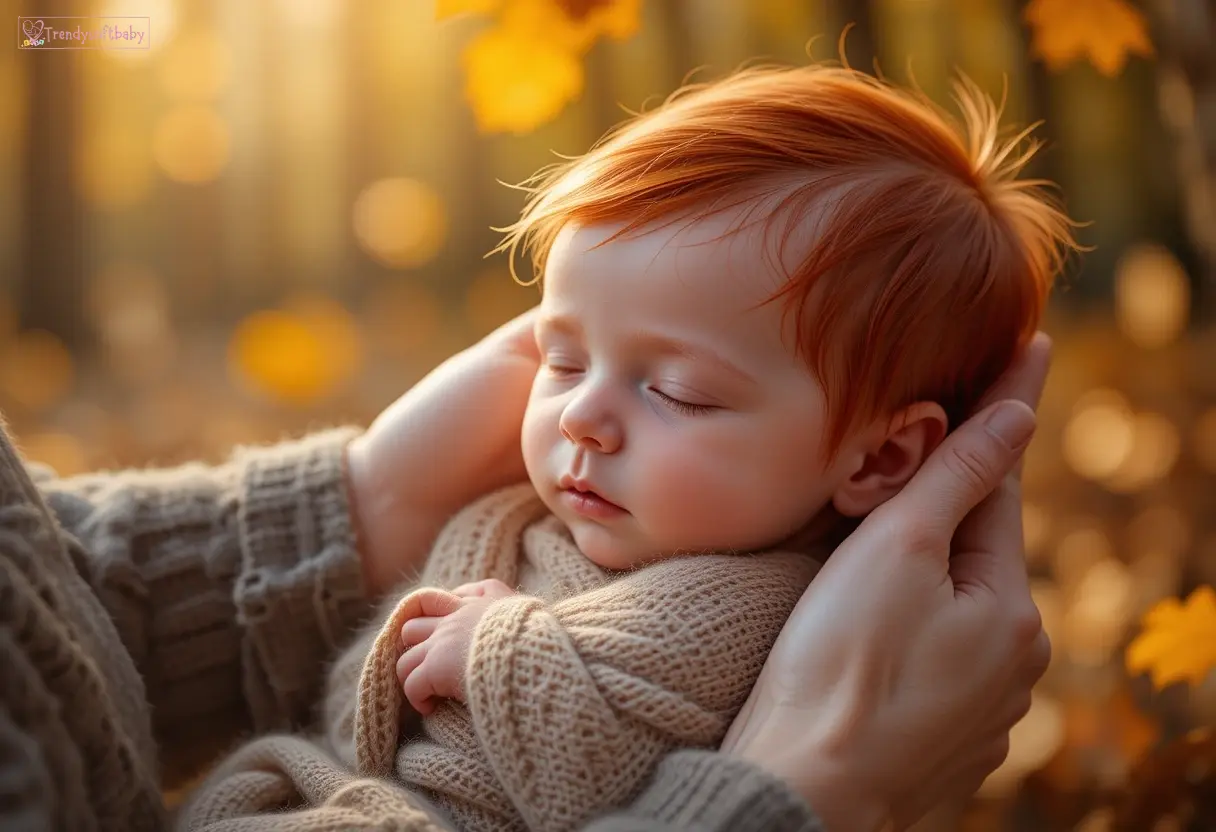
[{"x": 764, "y": 304}]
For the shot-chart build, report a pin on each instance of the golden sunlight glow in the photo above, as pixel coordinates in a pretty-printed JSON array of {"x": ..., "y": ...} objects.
[
  {"x": 298, "y": 354},
  {"x": 402, "y": 318},
  {"x": 1101, "y": 609},
  {"x": 336, "y": 328},
  {"x": 317, "y": 15},
  {"x": 36, "y": 369},
  {"x": 1205, "y": 440},
  {"x": 129, "y": 306},
  {"x": 1036, "y": 525},
  {"x": 1155, "y": 449},
  {"x": 400, "y": 222},
  {"x": 162, "y": 19},
  {"x": 63, "y": 452},
  {"x": 1032, "y": 742},
  {"x": 114, "y": 165},
  {"x": 1152, "y": 295},
  {"x": 493, "y": 298},
  {"x": 1100, "y": 435},
  {"x": 1077, "y": 551},
  {"x": 191, "y": 144},
  {"x": 516, "y": 82},
  {"x": 196, "y": 67}
]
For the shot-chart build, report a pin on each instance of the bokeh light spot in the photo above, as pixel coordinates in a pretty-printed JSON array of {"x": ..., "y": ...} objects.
[
  {"x": 400, "y": 222},
  {"x": 1100, "y": 435},
  {"x": 1152, "y": 296},
  {"x": 296, "y": 355},
  {"x": 191, "y": 144}
]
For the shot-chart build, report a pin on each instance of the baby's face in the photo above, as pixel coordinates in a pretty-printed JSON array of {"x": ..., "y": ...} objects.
[{"x": 665, "y": 392}]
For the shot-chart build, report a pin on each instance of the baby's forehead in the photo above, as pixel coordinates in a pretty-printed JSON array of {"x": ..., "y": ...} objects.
[
  {"x": 705, "y": 281},
  {"x": 738, "y": 256}
]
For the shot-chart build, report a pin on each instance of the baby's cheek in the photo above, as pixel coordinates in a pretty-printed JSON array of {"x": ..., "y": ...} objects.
[
  {"x": 538, "y": 436},
  {"x": 700, "y": 495},
  {"x": 745, "y": 495}
]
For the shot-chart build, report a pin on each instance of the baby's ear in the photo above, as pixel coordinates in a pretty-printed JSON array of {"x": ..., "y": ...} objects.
[{"x": 893, "y": 457}]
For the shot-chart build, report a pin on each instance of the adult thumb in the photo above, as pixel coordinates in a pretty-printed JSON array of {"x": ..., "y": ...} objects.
[{"x": 963, "y": 470}]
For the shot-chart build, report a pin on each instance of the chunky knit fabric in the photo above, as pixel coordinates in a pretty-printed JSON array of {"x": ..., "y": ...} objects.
[
  {"x": 132, "y": 648},
  {"x": 577, "y": 687}
]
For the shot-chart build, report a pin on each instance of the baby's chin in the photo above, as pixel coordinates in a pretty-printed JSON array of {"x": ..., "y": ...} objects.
[{"x": 604, "y": 547}]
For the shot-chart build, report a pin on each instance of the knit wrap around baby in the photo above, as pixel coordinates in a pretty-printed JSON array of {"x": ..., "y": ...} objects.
[{"x": 577, "y": 687}]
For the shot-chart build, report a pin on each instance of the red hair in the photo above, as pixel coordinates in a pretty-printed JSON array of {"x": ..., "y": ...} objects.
[{"x": 927, "y": 275}]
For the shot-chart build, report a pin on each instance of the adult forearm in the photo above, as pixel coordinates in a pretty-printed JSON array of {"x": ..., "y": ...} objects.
[{"x": 229, "y": 586}]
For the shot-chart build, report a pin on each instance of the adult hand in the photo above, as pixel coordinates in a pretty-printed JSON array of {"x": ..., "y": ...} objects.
[
  {"x": 898, "y": 676},
  {"x": 450, "y": 439}
]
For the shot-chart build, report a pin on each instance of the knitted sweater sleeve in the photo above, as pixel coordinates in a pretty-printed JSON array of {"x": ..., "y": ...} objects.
[
  {"x": 576, "y": 703},
  {"x": 704, "y": 791},
  {"x": 229, "y": 586}
]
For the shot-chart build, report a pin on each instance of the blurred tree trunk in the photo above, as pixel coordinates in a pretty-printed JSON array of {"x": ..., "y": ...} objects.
[
  {"x": 678, "y": 39},
  {"x": 49, "y": 289},
  {"x": 860, "y": 46},
  {"x": 1185, "y": 34}
]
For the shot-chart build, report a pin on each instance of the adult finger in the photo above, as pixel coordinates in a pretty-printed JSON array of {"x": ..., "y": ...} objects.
[
  {"x": 960, "y": 473},
  {"x": 1024, "y": 380},
  {"x": 988, "y": 546}
]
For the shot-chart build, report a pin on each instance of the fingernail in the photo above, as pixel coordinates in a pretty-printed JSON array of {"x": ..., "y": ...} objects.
[{"x": 1012, "y": 423}]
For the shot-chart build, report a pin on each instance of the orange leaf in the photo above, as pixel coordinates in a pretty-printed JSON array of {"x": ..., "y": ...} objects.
[
  {"x": 1178, "y": 642},
  {"x": 1104, "y": 31}
]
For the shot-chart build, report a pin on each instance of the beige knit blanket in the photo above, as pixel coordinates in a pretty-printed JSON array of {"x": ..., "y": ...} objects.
[{"x": 577, "y": 688}]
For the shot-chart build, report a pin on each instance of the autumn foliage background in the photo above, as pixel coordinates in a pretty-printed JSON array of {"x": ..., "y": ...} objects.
[{"x": 274, "y": 219}]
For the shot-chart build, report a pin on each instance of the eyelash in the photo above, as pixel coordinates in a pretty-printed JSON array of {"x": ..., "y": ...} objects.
[
  {"x": 675, "y": 404},
  {"x": 684, "y": 407}
]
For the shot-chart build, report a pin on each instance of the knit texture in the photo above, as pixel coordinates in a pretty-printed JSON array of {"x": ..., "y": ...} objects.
[
  {"x": 706, "y": 791},
  {"x": 577, "y": 687},
  {"x": 122, "y": 626},
  {"x": 129, "y": 621}
]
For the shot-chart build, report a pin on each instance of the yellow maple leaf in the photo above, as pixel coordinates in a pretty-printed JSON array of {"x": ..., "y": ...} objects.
[
  {"x": 450, "y": 8},
  {"x": 1178, "y": 640},
  {"x": 617, "y": 19},
  {"x": 1105, "y": 31},
  {"x": 516, "y": 82},
  {"x": 572, "y": 25}
]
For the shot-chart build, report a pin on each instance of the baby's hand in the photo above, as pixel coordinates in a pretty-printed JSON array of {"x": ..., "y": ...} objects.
[{"x": 436, "y": 635}]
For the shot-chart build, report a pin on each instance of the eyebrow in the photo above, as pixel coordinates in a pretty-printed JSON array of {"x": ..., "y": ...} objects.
[{"x": 569, "y": 326}]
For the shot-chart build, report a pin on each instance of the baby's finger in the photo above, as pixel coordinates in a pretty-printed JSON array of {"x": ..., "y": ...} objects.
[
  {"x": 429, "y": 601},
  {"x": 418, "y": 630},
  {"x": 471, "y": 590},
  {"x": 420, "y": 690},
  {"x": 409, "y": 660}
]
